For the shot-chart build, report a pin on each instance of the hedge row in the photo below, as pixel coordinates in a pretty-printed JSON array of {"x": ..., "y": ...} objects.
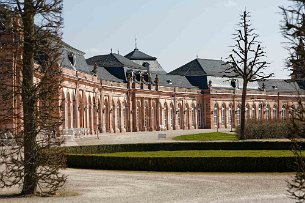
[
  {"x": 182, "y": 164},
  {"x": 237, "y": 145},
  {"x": 258, "y": 129}
]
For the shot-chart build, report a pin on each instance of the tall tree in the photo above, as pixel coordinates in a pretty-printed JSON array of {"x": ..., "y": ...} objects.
[
  {"x": 246, "y": 61},
  {"x": 30, "y": 94},
  {"x": 293, "y": 29}
]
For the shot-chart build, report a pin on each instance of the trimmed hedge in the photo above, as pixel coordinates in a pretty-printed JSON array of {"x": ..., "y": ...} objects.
[
  {"x": 236, "y": 145},
  {"x": 266, "y": 129},
  {"x": 192, "y": 164}
]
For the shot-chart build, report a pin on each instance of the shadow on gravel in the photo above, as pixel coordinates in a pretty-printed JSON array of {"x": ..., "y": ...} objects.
[
  {"x": 11, "y": 196},
  {"x": 59, "y": 194}
]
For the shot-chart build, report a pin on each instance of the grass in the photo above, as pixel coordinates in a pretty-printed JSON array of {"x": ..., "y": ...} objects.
[
  {"x": 203, "y": 153},
  {"x": 207, "y": 136}
]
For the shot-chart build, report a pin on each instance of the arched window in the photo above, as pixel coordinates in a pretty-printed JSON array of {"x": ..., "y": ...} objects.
[
  {"x": 223, "y": 114},
  {"x": 284, "y": 112},
  {"x": 165, "y": 115},
  {"x": 230, "y": 115},
  {"x": 199, "y": 116},
  {"x": 253, "y": 112},
  {"x": 160, "y": 114},
  {"x": 113, "y": 116},
  {"x": 274, "y": 112},
  {"x": 172, "y": 115},
  {"x": 193, "y": 115},
  {"x": 69, "y": 116},
  {"x": 90, "y": 113},
  {"x": 216, "y": 115},
  {"x": 99, "y": 111},
  {"x": 153, "y": 116},
  {"x": 105, "y": 113},
  {"x": 118, "y": 113},
  {"x": 187, "y": 112},
  {"x": 260, "y": 111},
  {"x": 291, "y": 111},
  {"x": 179, "y": 115},
  {"x": 145, "y": 114},
  {"x": 238, "y": 115},
  {"x": 268, "y": 114},
  {"x": 63, "y": 109},
  {"x": 138, "y": 115},
  {"x": 125, "y": 115},
  {"x": 247, "y": 111},
  {"x": 74, "y": 110}
]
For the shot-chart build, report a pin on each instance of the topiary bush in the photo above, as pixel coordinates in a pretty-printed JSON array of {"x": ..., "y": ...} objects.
[{"x": 263, "y": 129}]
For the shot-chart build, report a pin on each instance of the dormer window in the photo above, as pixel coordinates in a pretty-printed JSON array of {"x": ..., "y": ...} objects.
[
  {"x": 71, "y": 57},
  {"x": 169, "y": 82}
]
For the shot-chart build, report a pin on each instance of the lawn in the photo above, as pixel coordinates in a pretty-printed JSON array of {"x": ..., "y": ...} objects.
[
  {"x": 203, "y": 153},
  {"x": 207, "y": 136}
]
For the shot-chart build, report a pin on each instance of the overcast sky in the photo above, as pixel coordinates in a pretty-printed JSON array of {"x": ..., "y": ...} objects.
[{"x": 174, "y": 31}]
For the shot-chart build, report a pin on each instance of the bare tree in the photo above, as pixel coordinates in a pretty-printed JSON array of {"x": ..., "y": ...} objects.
[
  {"x": 30, "y": 95},
  {"x": 293, "y": 29},
  {"x": 246, "y": 61}
]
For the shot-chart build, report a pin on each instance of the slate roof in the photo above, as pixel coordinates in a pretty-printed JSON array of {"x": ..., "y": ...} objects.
[
  {"x": 202, "y": 67},
  {"x": 173, "y": 81},
  {"x": 103, "y": 74},
  {"x": 81, "y": 64},
  {"x": 113, "y": 60},
  {"x": 225, "y": 82},
  {"x": 80, "y": 61},
  {"x": 138, "y": 55},
  {"x": 154, "y": 66},
  {"x": 281, "y": 85}
]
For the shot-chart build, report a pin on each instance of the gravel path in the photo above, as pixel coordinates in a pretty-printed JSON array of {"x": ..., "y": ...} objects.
[{"x": 133, "y": 187}]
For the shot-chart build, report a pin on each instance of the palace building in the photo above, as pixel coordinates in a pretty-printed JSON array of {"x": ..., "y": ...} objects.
[{"x": 113, "y": 93}]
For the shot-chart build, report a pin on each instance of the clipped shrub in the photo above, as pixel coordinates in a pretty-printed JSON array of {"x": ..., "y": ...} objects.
[
  {"x": 192, "y": 164},
  {"x": 232, "y": 145},
  {"x": 263, "y": 129}
]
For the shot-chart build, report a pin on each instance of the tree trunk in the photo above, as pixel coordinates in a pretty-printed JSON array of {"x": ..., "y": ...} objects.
[
  {"x": 243, "y": 110},
  {"x": 28, "y": 99}
]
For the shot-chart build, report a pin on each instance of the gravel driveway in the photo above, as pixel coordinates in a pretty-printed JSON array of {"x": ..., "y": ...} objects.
[{"x": 129, "y": 186}]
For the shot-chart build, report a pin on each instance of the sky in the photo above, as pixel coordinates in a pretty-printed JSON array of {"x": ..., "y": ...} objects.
[{"x": 174, "y": 31}]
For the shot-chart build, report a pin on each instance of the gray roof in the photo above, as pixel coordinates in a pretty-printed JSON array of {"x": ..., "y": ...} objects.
[
  {"x": 113, "y": 60},
  {"x": 103, "y": 74},
  {"x": 225, "y": 83},
  {"x": 173, "y": 81},
  {"x": 81, "y": 64},
  {"x": 80, "y": 61},
  {"x": 154, "y": 66},
  {"x": 280, "y": 85},
  {"x": 138, "y": 55},
  {"x": 202, "y": 67}
]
